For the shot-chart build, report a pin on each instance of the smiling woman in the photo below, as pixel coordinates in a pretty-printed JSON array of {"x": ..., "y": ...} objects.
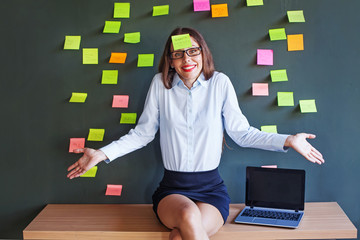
[
  {"x": 167, "y": 61},
  {"x": 192, "y": 105}
]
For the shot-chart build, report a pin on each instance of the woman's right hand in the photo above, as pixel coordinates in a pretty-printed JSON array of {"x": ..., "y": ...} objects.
[{"x": 90, "y": 158}]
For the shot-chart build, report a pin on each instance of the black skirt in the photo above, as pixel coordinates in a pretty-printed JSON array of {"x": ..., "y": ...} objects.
[{"x": 207, "y": 187}]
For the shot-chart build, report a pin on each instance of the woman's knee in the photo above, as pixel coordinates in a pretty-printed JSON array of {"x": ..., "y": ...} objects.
[
  {"x": 175, "y": 235},
  {"x": 189, "y": 215}
]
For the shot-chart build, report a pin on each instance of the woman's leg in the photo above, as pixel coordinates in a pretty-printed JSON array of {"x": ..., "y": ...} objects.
[
  {"x": 211, "y": 218},
  {"x": 181, "y": 214}
]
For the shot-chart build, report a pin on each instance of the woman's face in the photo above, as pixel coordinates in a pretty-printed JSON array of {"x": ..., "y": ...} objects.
[{"x": 188, "y": 68}]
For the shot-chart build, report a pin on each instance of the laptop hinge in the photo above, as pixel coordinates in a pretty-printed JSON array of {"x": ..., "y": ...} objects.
[{"x": 296, "y": 210}]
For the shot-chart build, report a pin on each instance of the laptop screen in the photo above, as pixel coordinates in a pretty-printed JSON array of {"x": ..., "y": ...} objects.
[{"x": 275, "y": 188}]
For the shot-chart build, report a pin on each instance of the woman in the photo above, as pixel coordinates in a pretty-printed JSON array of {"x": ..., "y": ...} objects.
[{"x": 192, "y": 104}]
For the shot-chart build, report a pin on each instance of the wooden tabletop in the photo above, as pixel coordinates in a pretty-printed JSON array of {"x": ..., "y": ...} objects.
[{"x": 323, "y": 220}]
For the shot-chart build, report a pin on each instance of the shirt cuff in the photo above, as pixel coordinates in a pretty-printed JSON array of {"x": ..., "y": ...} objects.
[
  {"x": 281, "y": 142},
  {"x": 110, "y": 152}
]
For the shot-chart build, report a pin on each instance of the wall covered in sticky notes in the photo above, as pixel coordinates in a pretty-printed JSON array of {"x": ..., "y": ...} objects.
[{"x": 53, "y": 49}]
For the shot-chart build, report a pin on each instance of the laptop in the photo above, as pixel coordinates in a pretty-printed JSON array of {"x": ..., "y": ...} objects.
[{"x": 274, "y": 197}]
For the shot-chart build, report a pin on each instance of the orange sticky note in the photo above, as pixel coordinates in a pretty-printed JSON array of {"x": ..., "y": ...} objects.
[
  {"x": 117, "y": 57},
  {"x": 295, "y": 42},
  {"x": 76, "y": 143},
  {"x": 219, "y": 10},
  {"x": 120, "y": 101},
  {"x": 113, "y": 190}
]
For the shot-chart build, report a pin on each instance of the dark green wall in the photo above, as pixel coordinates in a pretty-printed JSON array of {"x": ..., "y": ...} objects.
[{"x": 37, "y": 78}]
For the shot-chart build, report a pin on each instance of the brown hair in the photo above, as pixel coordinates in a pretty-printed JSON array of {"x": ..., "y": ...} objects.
[{"x": 168, "y": 72}]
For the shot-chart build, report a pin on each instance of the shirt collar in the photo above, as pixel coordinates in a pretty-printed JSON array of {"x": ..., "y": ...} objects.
[{"x": 201, "y": 80}]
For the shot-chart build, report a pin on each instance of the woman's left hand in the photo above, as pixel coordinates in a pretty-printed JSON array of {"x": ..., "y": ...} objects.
[{"x": 299, "y": 143}]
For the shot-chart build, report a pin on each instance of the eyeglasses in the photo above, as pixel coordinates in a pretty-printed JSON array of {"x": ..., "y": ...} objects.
[{"x": 191, "y": 52}]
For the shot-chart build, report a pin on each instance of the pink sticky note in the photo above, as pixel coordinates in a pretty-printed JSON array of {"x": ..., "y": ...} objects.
[
  {"x": 269, "y": 166},
  {"x": 201, "y": 5},
  {"x": 76, "y": 143},
  {"x": 260, "y": 89},
  {"x": 120, "y": 101},
  {"x": 113, "y": 190},
  {"x": 265, "y": 57}
]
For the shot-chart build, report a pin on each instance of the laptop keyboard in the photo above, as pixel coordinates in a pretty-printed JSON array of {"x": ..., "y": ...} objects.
[{"x": 271, "y": 214}]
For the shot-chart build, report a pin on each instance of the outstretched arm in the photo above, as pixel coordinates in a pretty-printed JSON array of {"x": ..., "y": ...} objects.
[
  {"x": 90, "y": 158},
  {"x": 299, "y": 143}
]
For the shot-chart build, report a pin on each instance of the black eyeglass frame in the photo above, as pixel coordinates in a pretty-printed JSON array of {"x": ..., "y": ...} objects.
[{"x": 185, "y": 51}]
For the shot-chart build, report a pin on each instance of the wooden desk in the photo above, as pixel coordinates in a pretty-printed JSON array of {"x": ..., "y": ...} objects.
[{"x": 137, "y": 221}]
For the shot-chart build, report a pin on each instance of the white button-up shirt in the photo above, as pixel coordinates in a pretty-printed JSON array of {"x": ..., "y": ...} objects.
[{"x": 192, "y": 123}]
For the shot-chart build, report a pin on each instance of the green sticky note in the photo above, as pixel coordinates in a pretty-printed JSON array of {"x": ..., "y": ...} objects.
[
  {"x": 285, "y": 99},
  {"x": 269, "y": 128},
  {"x": 109, "y": 77},
  {"x": 181, "y": 41},
  {"x": 307, "y": 106},
  {"x": 78, "y": 97},
  {"x": 250, "y": 3},
  {"x": 121, "y": 10},
  {"x": 145, "y": 60},
  {"x": 96, "y": 134},
  {"x": 160, "y": 10},
  {"x": 277, "y": 34},
  {"x": 112, "y": 27},
  {"x": 296, "y": 16},
  {"x": 132, "y": 37},
  {"x": 72, "y": 42},
  {"x": 128, "y": 118},
  {"x": 90, "y": 56},
  {"x": 278, "y": 75},
  {"x": 91, "y": 173}
]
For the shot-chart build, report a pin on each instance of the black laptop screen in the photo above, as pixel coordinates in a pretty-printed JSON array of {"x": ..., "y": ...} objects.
[{"x": 275, "y": 188}]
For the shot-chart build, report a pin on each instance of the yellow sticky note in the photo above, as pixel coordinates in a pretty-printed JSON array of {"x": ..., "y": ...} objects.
[
  {"x": 181, "y": 41},
  {"x": 109, "y": 77},
  {"x": 307, "y": 106},
  {"x": 160, "y": 10},
  {"x": 117, "y": 57},
  {"x": 132, "y": 37},
  {"x": 72, "y": 42},
  {"x": 90, "y": 56},
  {"x": 269, "y": 128},
  {"x": 250, "y": 3},
  {"x": 112, "y": 27},
  {"x": 296, "y": 16},
  {"x": 96, "y": 134},
  {"x": 295, "y": 42},
  {"x": 145, "y": 60},
  {"x": 78, "y": 97},
  {"x": 91, "y": 173},
  {"x": 128, "y": 118},
  {"x": 121, "y": 10},
  {"x": 277, "y": 34},
  {"x": 219, "y": 10},
  {"x": 285, "y": 99},
  {"x": 278, "y": 75}
]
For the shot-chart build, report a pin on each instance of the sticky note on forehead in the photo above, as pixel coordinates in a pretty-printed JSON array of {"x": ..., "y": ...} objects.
[{"x": 181, "y": 41}]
